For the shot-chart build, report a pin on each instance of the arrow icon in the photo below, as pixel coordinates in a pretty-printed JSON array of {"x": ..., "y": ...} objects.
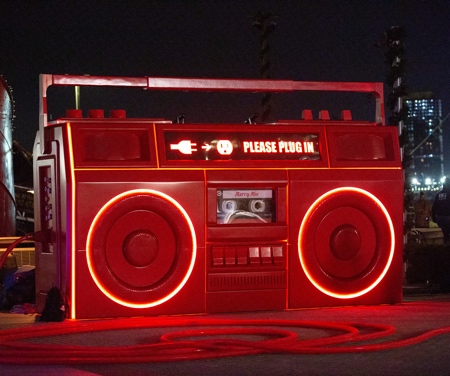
[{"x": 206, "y": 147}]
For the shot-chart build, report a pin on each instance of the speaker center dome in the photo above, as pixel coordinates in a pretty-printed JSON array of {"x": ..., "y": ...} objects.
[
  {"x": 345, "y": 242},
  {"x": 140, "y": 248}
]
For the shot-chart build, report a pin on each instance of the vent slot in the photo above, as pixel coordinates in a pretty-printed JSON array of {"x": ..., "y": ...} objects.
[{"x": 246, "y": 281}]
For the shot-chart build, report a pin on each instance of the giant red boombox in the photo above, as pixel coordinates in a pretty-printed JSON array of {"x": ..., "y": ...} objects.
[{"x": 150, "y": 217}]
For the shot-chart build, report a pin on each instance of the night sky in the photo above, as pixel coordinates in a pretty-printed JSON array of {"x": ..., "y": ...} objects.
[{"x": 313, "y": 41}]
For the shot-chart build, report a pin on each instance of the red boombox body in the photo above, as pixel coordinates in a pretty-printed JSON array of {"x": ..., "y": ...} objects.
[{"x": 149, "y": 217}]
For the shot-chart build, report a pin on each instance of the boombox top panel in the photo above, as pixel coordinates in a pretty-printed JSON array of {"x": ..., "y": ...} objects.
[{"x": 119, "y": 143}]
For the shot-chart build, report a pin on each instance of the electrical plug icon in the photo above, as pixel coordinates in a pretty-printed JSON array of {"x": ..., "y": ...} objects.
[{"x": 184, "y": 146}]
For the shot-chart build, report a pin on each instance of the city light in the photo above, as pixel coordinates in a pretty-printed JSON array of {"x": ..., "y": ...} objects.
[{"x": 426, "y": 184}]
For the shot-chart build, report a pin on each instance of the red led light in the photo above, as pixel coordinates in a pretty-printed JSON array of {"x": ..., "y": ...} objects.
[
  {"x": 73, "y": 228},
  {"x": 347, "y": 233},
  {"x": 89, "y": 250}
]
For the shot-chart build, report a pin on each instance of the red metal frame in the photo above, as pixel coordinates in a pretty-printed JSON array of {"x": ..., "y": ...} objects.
[{"x": 206, "y": 84}]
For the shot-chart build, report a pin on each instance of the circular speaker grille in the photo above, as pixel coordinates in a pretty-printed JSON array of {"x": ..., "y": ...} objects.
[
  {"x": 346, "y": 242},
  {"x": 141, "y": 248}
]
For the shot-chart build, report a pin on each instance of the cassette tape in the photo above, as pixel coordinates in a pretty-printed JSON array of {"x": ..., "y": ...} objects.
[{"x": 245, "y": 206}]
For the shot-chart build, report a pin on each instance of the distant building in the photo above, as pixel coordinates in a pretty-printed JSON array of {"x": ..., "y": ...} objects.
[{"x": 425, "y": 113}]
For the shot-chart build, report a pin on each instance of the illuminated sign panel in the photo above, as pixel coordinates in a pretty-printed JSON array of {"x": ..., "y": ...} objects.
[{"x": 241, "y": 146}]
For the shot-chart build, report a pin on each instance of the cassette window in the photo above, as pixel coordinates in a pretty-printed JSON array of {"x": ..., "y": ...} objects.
[{"x": 243, "y": 206}]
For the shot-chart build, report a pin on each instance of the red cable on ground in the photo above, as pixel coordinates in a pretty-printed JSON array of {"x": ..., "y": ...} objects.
[
  {"x": 39, "y": 236},
  {"x": 182, "y": 345},
  {"x": 12, "y": 246}
]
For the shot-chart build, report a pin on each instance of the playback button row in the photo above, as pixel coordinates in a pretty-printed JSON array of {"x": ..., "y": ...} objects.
[{"x": 248, "y": 255}]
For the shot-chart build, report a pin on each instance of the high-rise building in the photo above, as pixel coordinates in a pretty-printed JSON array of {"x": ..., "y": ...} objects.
[{"x": 425, "y": 140}]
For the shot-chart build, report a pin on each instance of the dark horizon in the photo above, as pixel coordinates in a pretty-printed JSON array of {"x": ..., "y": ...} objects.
[{"x": 312, "y": 41}]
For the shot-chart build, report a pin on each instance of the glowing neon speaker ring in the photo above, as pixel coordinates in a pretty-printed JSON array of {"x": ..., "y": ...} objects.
[
  {"x": 367, "y": 230},
  {"x": 137, "y": 233}
]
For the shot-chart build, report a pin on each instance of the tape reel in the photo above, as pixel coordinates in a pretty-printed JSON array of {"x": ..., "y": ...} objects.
[{"x": 257, "y": 206}]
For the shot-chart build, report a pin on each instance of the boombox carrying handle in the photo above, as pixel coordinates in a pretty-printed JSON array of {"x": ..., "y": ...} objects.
[{"x": 204, "y": 84}]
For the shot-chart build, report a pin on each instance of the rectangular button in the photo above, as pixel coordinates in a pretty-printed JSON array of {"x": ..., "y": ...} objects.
[
  {"x": 242, "y": 255},
  {"x": 266, "y": 255},
  {"x": 230, "y": 256},
  {"x": 217, "y": 256},
  {"x": 253, "y": 253},
  {"x": 278, "y": 256}
]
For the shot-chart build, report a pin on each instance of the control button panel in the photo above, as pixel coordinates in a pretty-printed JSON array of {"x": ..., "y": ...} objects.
[{"x": 247, "y": 255}]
